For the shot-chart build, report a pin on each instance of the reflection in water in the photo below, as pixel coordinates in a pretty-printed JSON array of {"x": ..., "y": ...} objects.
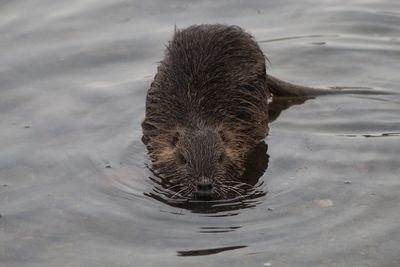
[
  {"x": 248, "y": 192},
  {"x": 204, "y": 252}
]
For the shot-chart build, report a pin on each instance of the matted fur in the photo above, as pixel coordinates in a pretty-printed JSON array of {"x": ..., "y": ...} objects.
[{"x": 209, "y": 93}]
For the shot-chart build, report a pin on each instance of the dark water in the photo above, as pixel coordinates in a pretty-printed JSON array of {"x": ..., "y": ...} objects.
[{"x": 74, "y": 187}]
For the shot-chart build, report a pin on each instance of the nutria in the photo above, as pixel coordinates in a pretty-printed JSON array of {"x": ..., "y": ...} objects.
[{"x": 207, "y": 108}]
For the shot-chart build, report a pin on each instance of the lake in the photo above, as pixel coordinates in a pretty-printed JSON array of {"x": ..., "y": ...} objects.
[{"x": 75, "y": 187}]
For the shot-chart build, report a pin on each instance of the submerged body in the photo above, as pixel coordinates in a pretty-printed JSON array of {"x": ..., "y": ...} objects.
[{"x": 206, "y": 109}]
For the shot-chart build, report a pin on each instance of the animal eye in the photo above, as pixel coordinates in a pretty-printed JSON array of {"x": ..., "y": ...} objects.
[
  {"x": 221, "y": 158},
  {"x": 182, "y": 159},
  {"x": 175, "y": 139}
]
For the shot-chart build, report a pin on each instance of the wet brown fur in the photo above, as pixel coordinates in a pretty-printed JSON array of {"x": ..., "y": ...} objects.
[{"x": 210, "y": 89}]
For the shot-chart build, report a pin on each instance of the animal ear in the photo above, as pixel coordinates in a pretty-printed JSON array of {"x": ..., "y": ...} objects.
[
  {"x": 175, "y": 139},
  {"x": 145, "y": 139}
]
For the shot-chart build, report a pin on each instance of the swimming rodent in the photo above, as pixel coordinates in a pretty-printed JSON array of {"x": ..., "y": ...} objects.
[{"x": 207, "y": 108}]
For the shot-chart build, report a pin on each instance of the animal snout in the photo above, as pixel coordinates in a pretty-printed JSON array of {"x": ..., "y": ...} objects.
[{"x": 205, "y": 187}]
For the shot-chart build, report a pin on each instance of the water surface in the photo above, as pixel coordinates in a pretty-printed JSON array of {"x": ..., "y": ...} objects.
[{"x": 74, "y": 186}]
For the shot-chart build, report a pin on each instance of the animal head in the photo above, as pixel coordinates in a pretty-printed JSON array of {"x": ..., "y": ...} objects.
[{"x": 200, "y": 162}]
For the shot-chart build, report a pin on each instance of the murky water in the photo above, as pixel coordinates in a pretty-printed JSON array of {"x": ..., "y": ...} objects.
[{"x": 74, "y": 186}]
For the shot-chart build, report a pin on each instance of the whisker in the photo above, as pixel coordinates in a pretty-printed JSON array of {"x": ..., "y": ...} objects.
[
  {"x": 238, "y": 191},
  {"x": 179, "y": 193},
  {"x": 170, "y": 188}
]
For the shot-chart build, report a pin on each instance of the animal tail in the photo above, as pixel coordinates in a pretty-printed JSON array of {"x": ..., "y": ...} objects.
[{"x": 281, "y": 88}]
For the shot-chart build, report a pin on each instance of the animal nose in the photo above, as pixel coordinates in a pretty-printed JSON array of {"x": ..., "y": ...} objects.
[{"x": 204, "y": 187}]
